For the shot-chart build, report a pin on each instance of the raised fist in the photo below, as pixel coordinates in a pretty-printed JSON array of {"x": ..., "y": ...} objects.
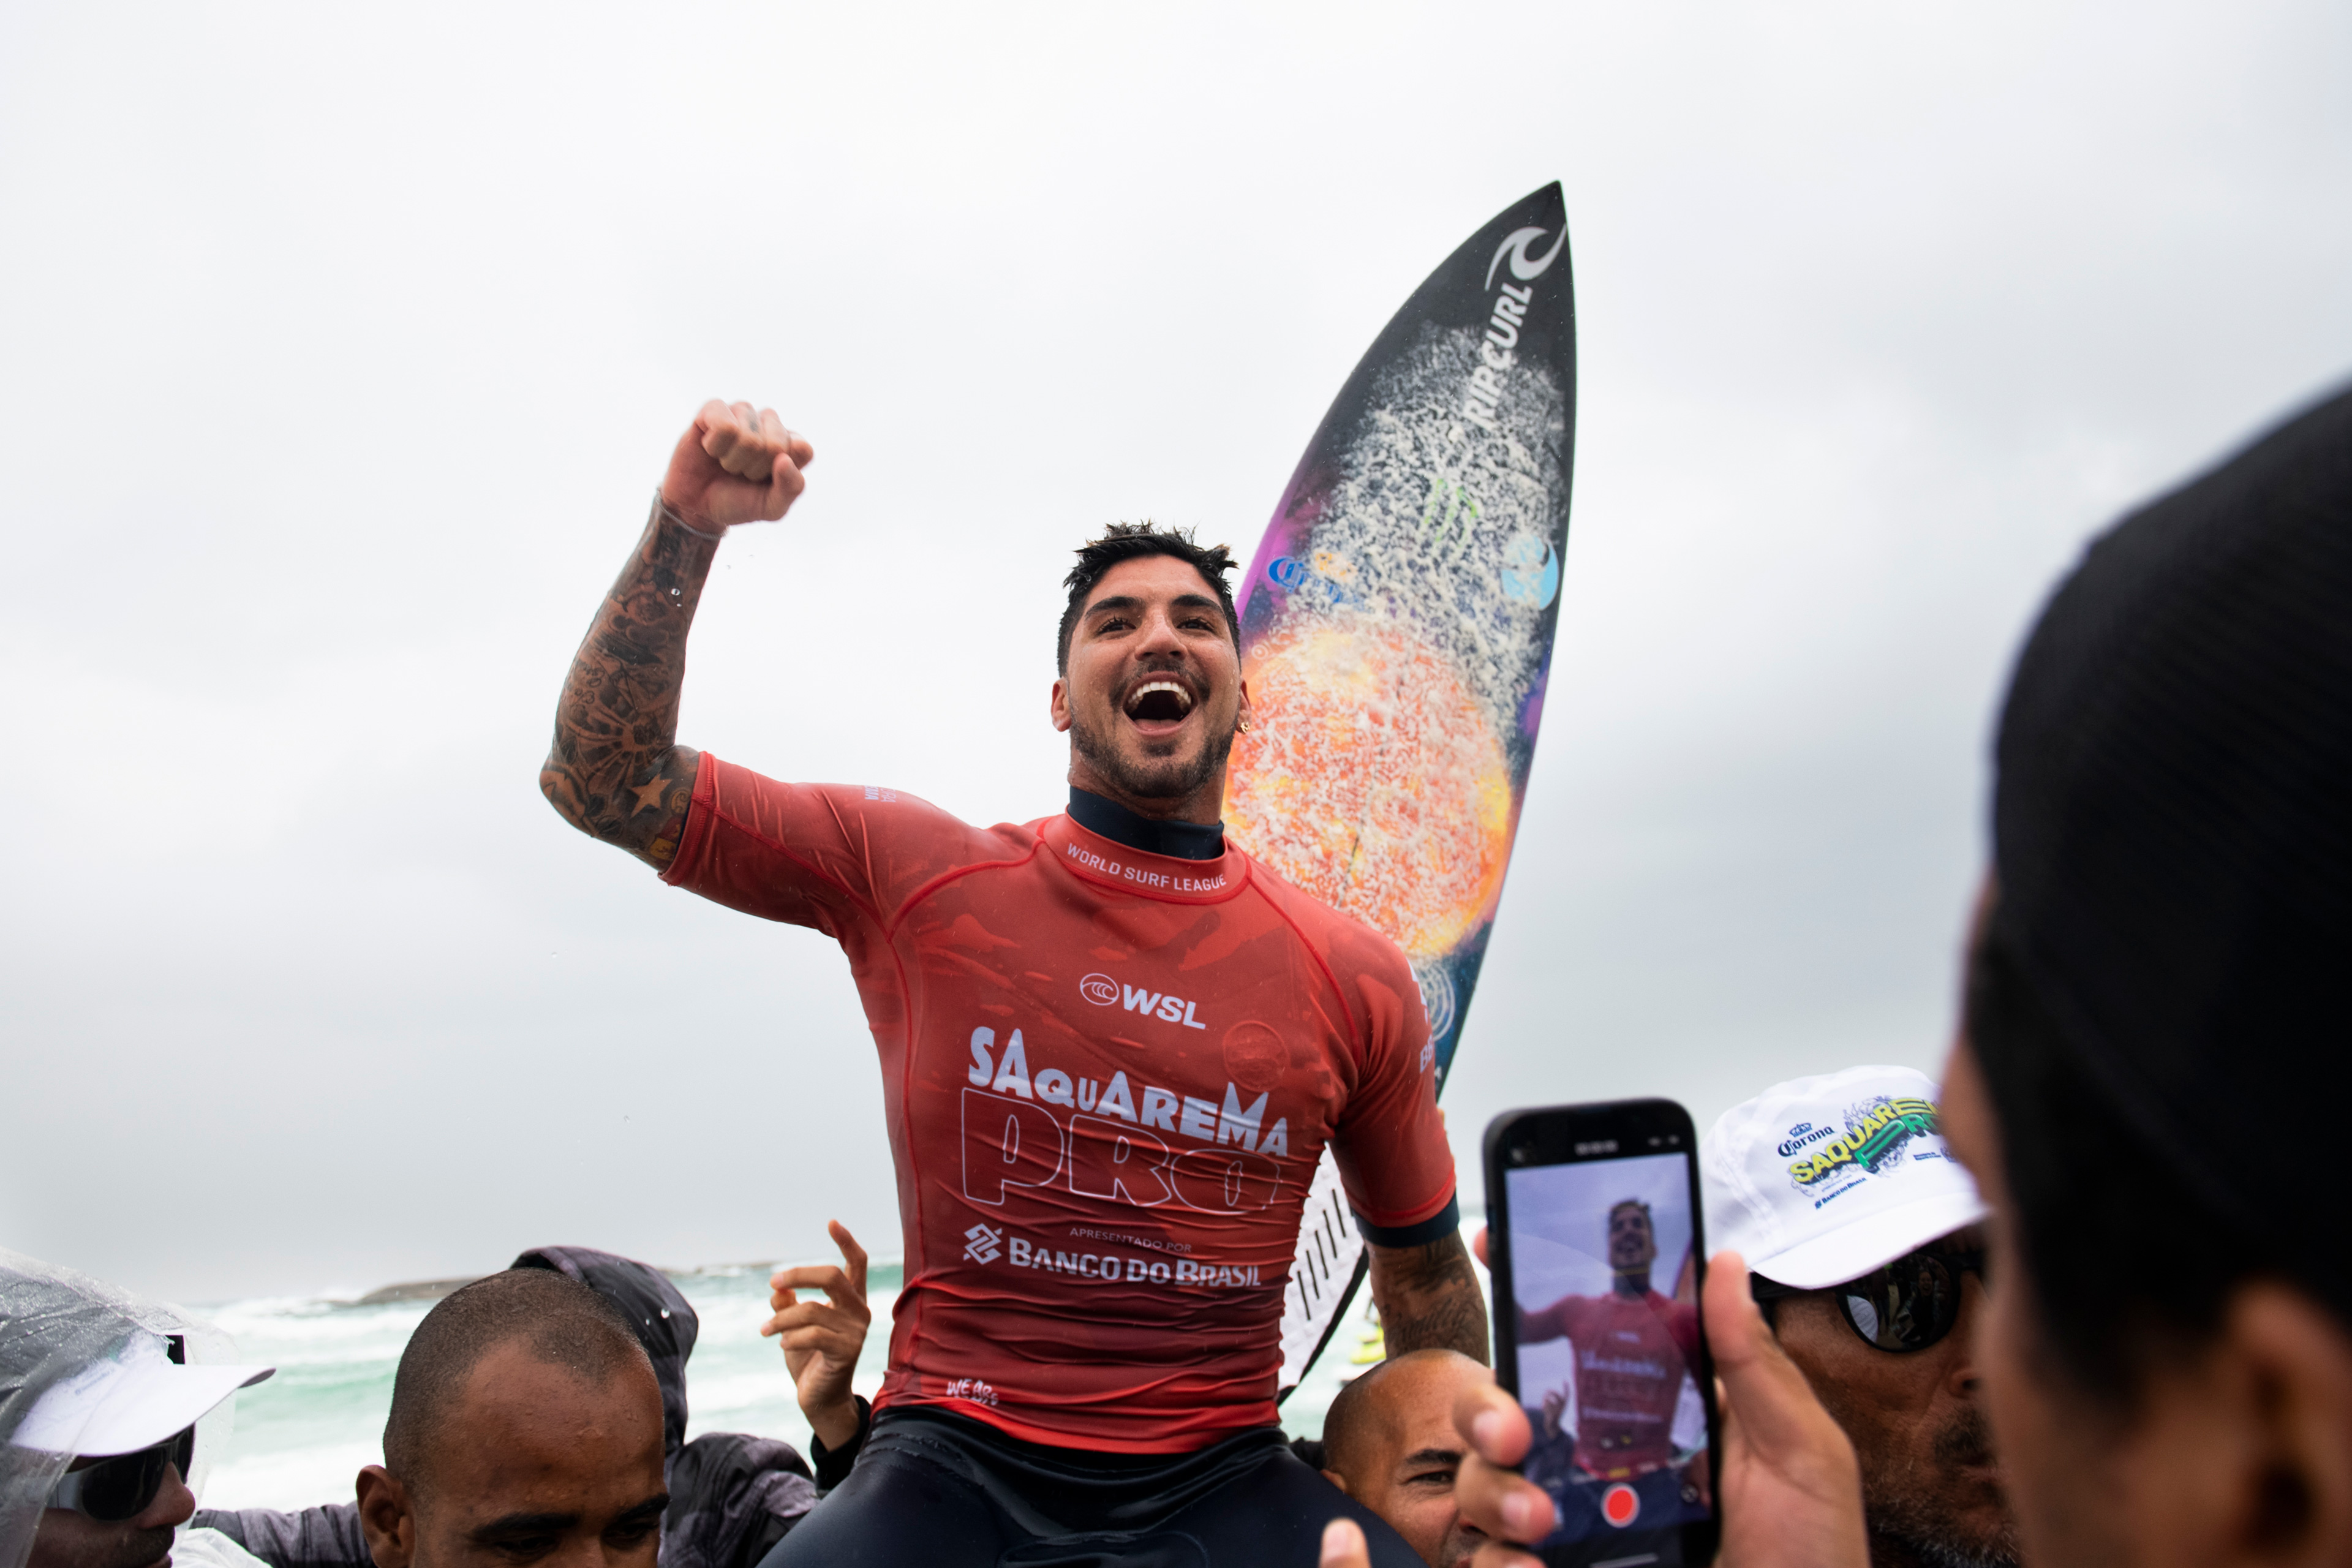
[{"x": 736, "y": 463}]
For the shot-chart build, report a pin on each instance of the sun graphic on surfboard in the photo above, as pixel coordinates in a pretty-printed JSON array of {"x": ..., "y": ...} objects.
[{"x": 1371, "y": 778}]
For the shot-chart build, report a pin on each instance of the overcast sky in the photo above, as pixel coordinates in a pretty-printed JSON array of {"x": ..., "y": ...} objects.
[{"x": 342, "y": 346}]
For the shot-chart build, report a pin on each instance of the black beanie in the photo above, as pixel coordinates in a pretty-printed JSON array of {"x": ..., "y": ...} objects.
[{"x": 2172, "y": 827}]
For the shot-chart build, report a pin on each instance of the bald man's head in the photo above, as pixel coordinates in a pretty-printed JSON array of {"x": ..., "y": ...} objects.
[
  {"x": 1388, "y": 1442},
  {"x": 526, "y": 1426},
  {"x": 557, "y": 1320}
]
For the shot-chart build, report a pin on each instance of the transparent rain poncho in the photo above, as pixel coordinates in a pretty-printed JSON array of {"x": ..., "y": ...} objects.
[{"x": 53, "y": 1323}]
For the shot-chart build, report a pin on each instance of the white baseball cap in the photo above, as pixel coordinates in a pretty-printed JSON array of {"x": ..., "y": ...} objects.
[
  {"x": 1819, "y": 1180},
  {"x": 133, "y": 1400}
]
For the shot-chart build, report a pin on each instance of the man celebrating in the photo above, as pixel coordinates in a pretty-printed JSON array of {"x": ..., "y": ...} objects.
[
  {"x": 1633, "y": 1350},
  {"x": 1113, "y": 1049}
]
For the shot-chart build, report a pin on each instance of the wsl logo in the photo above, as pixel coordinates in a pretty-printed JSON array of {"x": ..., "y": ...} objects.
[{"x": 1168, "y": 1008}]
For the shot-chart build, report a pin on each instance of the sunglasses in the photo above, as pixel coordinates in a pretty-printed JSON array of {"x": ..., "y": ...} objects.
[
  {"x": 123, "y": 1487},
  {"x": 1900, "y": 1307}
]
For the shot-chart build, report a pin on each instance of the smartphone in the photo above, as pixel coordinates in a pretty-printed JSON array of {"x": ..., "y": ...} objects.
[{"x": 1593, "y": 1232}]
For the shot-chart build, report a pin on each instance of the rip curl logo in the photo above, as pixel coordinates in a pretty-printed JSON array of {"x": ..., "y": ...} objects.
[
  {"x": 1099, "y": 989},
  {"x": 1525, "y": 268},
  {"x": 1482, "y": 395},
  {"x": 1877, "y": 1133}
]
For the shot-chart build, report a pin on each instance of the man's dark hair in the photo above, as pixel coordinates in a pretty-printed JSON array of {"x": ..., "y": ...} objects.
[
  {"x": 2159, "y": 986},
  {"x": 1623, "y": 1203},
  {"x": 562, "y": 1321},
  {"x": 2130, "y": 1265},
  {"x": 1130, "y": 541},
  {"x": 664, "y": 1321}
]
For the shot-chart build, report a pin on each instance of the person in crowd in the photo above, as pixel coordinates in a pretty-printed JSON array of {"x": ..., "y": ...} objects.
[
  {"x": 1633, "y": 1350},
  {"x": 2154, "y": 998},
  {"x": 1389, "y": 1443},
  {"x": 1115, "y": 1048},
  {"x": 733, "y": 1495},
  {"x": 1864, "y": 1244},
  {"x": 98, "y": 1406},
  {"x": 821, "y": 1339},
  {"x": 526, "y": 1424}
]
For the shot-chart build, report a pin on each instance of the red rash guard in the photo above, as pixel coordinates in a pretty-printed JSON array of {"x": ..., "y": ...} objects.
[
  {"x": 1631, "y": 1355},
  {"x": 1108, "y": 1078}
]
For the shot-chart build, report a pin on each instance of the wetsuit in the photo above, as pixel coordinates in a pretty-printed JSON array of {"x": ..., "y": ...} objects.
[{"x": 1111, "y": 1057}]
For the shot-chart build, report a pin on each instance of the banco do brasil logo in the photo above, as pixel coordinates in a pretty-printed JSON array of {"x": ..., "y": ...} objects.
[{"x": 1099, "y": 989}]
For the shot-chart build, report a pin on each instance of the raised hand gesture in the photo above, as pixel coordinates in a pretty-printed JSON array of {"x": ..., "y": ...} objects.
[
  {"x": 823, "y": 1336},
  {"x": 736, "y": 463}
]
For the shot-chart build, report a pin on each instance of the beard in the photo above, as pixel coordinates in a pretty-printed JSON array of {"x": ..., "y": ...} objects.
[
  {"x": 1160, "y": 778},
  {"x": 135, "y": 1548},
  {"x": 1926, "y": 1532}
]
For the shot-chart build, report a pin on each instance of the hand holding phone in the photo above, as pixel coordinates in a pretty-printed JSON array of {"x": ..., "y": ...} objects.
[
  {"x": 1596, "y": 1244},
  {"x": 1788, "y": 1492}
]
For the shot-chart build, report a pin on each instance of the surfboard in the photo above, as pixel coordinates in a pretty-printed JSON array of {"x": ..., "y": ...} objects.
[{"x": 1396, "y": 627}]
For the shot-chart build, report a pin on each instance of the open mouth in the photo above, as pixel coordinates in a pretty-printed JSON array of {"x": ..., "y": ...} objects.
[{"x": 1158, "y": 701}]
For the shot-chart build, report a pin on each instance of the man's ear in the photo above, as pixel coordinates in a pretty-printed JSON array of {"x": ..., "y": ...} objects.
[
  {"x": 1336, "y": 1479},
  {"x": 387, "y": 1518},
  {"x": 1060, "y": 705},
  {"x": 2292, "y": 1371}
]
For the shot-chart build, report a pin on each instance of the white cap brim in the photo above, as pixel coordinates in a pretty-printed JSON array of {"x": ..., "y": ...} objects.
[
  {"x": 128, "y": 1406},
  {"x": 1855, "y": 1250}
]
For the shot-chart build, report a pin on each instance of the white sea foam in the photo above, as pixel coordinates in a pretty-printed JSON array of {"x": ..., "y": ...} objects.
[{"x": 291, "y": 1479}]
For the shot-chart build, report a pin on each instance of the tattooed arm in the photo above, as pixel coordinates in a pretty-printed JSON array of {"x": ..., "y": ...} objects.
[
  {"x": 616, "y": 771},
  {"x": 1429, "y": 1299}
]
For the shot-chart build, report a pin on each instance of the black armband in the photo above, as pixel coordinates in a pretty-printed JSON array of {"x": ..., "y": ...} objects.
[{"x": 1436, "y": 1228}]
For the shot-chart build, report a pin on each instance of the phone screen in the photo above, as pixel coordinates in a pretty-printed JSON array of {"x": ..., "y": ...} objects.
[{"x": 1603, "y": 1346}]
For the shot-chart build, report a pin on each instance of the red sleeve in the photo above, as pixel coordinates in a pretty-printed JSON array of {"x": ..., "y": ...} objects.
[
  {"x": 1389, "y": 1142},
  {"x": 1556, "y": 1322},
  {"x": 825, "y": 856}
]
